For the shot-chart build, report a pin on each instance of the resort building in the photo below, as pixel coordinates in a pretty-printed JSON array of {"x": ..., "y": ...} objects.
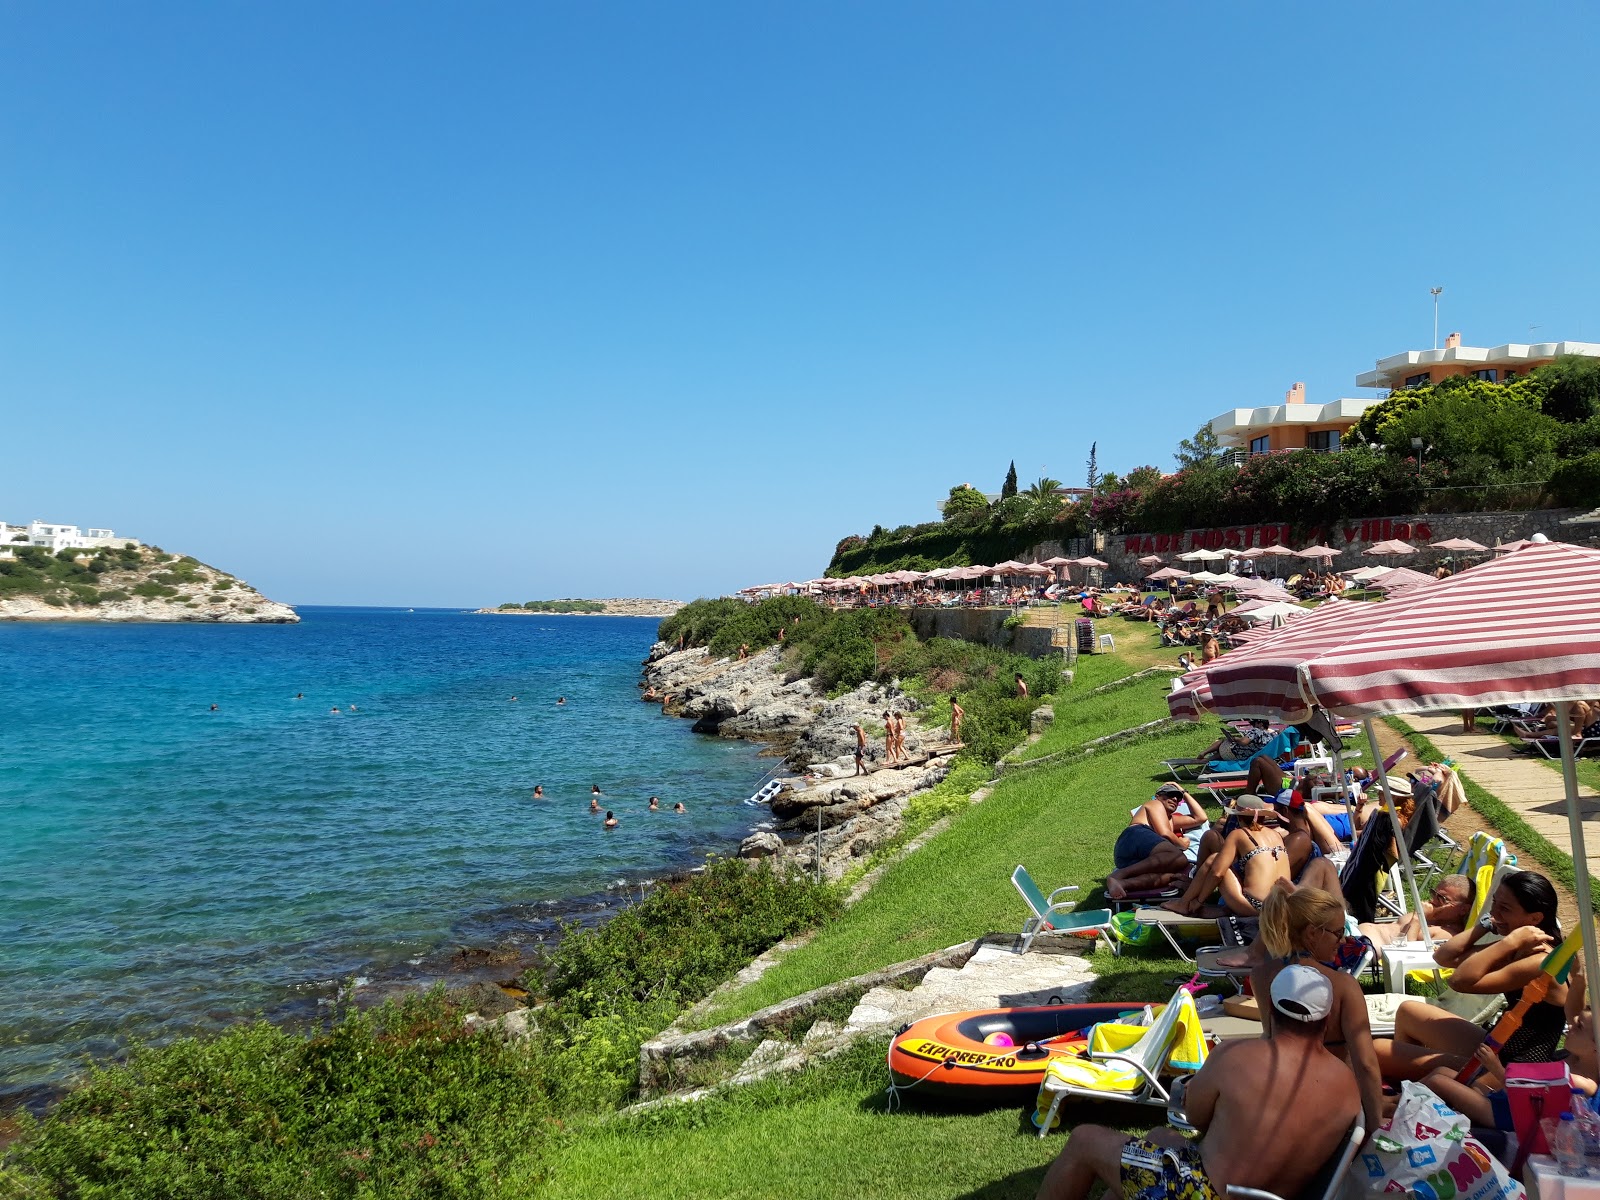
[
  {"x": 58, "y": 537},
  {"x": 1418, "y": 368},
  {"x": 1292, "y": 425}
]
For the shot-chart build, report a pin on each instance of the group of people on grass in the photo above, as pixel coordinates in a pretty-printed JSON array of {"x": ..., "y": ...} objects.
[{"x": 1270, "y": 862}]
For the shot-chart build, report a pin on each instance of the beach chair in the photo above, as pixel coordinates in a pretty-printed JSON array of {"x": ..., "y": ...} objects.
[
  {"x": 1171, "y": 924},
  {"x": 1550, "y": 745},
  {"x": 1126, "y": 1062},
  {"x": 1057, "y": 916},
  {"x": 1327, "y": 1183}
]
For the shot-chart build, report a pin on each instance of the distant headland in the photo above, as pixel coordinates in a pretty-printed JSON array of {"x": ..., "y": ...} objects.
[
  {"x": 61, "y": 573},
  {"x": 613, "y": 607}
]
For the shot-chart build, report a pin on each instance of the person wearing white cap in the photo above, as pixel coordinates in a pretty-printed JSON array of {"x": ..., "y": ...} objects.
[{"x": 1287, "y": 1084}]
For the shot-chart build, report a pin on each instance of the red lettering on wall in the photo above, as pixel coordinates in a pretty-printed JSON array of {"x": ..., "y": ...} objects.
[
  {"x": 1402, "y": 530},
  {"x": 1423, "y": 532},
  {"x": 1131, "y": 545},
  {"x": 1149, "y": 544},
  {"x": 1214, "y": 539},
  {"x": 1349, "y": 534},
  {"x": 1230, "y": 537}
]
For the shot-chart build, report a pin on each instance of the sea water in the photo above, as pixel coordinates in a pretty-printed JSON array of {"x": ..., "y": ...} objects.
[{"x": 166, "y": 868}]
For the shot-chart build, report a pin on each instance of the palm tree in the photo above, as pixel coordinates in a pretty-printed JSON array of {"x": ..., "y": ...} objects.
[{"x": 1044, "y": 488}]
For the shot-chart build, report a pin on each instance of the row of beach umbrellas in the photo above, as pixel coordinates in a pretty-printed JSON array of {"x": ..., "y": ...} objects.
[{"x": 1048, "y": 569}]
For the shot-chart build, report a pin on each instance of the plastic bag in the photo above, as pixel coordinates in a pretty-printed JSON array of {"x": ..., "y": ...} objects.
[{"x": 1426, "y": 1151}]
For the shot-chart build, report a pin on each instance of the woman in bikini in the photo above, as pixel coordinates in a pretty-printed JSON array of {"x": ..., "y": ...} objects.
[
  {"x": 1306, "y": 927},
  {"x": 1252, "y": 859},
  {"x": 1426, "y": 1039}
]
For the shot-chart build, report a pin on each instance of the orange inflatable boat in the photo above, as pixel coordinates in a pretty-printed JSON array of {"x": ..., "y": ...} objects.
[{"x": 994, "y": 1055}]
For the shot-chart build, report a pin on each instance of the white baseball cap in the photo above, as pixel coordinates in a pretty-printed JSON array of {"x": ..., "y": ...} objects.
[{"x": 1302, "y": 994}]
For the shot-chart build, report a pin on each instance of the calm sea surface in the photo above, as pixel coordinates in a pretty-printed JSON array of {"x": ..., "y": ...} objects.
[{"x": 165, "y": 868}]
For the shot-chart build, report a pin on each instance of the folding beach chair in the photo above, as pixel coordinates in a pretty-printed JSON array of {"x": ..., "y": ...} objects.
[
  {"x": 1327, "y": 1183},
  {"x": 1171, "y": 924},
  {"x": 1126, "y": 1062},
  {"x": 1057, "y": 916}
]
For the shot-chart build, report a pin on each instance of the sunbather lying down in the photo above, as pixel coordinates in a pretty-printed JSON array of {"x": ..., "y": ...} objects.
[
  {"x": 1152, "y": 851},
  {"x": 1252, "y": 857}
]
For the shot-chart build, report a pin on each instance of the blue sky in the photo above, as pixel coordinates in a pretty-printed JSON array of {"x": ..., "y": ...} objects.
[{"x": 428, "y": 304}]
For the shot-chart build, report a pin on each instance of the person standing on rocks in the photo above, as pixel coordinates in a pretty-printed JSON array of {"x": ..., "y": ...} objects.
[
  {"x": 861, "y": 749},
  {"x": 1022, "y": 687},
  {"x": 956, "y": 713},
  {"x": 891, "y": 747}
]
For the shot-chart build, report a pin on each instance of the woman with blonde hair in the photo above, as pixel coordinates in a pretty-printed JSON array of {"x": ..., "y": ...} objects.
[{"x": 1305, "y": 926}]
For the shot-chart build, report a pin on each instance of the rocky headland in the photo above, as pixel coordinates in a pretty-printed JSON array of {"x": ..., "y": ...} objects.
[
  {"x": 752, "y": 698},
  {"x": 142, "y": 584}
]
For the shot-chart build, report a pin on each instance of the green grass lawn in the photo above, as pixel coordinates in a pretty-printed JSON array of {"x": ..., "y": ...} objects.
[
  {"x": 822, "y": 1134},
  {"x": 1059, "y": 822},
  {"x": 1078, "y": 721}
]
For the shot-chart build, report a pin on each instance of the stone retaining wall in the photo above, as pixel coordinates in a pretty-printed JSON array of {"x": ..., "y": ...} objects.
[{"x": 983, "y": 626}]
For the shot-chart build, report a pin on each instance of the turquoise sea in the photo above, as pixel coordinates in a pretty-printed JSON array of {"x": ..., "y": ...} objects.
[{"x": 166, "y": 868}]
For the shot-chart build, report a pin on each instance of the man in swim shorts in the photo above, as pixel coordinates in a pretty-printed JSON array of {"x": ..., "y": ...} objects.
[{"x": 1246, "y": 1087}]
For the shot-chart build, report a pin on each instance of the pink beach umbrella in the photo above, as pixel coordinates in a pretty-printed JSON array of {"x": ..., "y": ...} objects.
[
  {"x": 1393, "y": 548},
  {"x": 1323, "y": 552}
]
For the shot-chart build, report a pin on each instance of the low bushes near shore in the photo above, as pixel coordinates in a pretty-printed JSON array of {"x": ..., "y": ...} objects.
[{"x": 404, "y": 1100}]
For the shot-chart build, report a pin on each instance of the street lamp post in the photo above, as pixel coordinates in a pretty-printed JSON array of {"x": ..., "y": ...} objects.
[{"x": 1436, "y": 292}]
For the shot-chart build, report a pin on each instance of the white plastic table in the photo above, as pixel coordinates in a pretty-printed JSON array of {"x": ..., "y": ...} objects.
[{"x": 1400, "y": 957}]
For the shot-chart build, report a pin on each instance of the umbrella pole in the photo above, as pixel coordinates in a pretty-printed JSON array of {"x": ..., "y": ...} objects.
[
  {"x": 1580, "y": 853},
  {"x": 1399, "y": 833},
  {"x": 1344, "y": 793}
]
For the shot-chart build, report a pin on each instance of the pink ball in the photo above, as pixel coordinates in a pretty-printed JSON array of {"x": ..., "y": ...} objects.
[{"x": 999, "y": 1039}]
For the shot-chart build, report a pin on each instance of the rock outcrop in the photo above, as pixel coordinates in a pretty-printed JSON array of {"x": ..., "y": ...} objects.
[
  {"x": 616, "y": 606},
  {"x": 751, "y": 698}
]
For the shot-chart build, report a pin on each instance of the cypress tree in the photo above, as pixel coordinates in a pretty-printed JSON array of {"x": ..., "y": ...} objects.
[{"x": 1009, "y": 487}]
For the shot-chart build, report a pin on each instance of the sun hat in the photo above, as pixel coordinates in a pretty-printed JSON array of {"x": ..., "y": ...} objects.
[
  {"x": 1250, "y": 804},
  {"x": 1302, "y": 994},
  {"x": 1170, "y": 789}
]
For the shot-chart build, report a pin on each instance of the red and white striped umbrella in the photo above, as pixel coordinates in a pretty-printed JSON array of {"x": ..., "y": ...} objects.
[{"x": 1243, "y": 692}]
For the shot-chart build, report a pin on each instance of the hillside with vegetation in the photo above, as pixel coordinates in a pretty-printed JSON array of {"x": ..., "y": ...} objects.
[
  {"x": 126, "y": 583},
  {"x": 1532, "y": 442}
]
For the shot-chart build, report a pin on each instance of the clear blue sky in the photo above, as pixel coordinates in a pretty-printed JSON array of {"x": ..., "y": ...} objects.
[{"x": 446, "y": 304}]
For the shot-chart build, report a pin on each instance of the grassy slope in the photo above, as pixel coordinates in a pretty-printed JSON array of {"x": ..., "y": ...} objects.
[
  {"x": 820, "y": 1135},
  {"x": 825, "y": 1133},
  {"x": 1059, "y": 822}
]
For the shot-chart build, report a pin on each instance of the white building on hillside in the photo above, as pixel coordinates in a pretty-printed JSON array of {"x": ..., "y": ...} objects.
[{"x": 58, "y": 537}]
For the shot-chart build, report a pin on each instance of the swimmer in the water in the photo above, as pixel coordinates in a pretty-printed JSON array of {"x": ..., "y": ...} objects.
[
  {"x": 594, "y": 790},
  {"x": 334, "y": 709},
  {"x": 213, "y": 708},
  {"x": 678, "y": 807},
  {"x": 594, "y": 804},
  {"x": 538, "y": 791},
  {"x": 352, "y": 708},
  {"x": 561, "y": 699},
  {"x": 299, "y": 695},
  {"x": 611, "y": 820},
  {"x": 655, "y": 804},
  {"x": 513, "y": 697}
]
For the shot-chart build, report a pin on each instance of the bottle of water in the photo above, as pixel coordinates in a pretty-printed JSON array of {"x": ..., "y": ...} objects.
[
  {"x": 1567, "y": 1145},
  {"x": 1588, "y": 1122}
]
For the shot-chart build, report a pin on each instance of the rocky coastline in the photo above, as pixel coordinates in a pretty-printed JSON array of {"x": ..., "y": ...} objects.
[{"x": 817, "y": 787}]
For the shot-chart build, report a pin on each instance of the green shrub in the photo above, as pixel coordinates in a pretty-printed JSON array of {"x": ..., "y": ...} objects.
[
  {"x": 399, "y": 1101},
  {"x": 113, "y": 596},
  {"x": 1013, "y": 622},
  {"x": 152, "y": 589},
  {"x": 99, "y": 566},
  {"x": 221, "y": 585},
  {"x": 684, "y": 938},
  {"x": 1576, "y": 482},
  {"x": 560, "y": 606},
  {"x": 55, "y": 600},
  {"x": 83, "y": 594},
  {"x": 68, "y": 555}
]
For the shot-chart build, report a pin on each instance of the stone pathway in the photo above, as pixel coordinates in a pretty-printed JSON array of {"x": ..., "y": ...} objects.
[
  {"x": 994, "y": 977},
  {"x": 1529, "y": 787}
]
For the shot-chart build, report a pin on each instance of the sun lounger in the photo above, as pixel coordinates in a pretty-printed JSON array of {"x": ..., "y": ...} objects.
[
  {"x": 1550, "y": 745},
  {"x": 1171, "y": 924},
  {"x": 1126, "y": 1063},
  {"x": 1057, "y": 916}
]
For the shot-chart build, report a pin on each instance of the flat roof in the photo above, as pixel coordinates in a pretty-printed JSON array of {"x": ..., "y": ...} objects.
[{"x": 1392, "y": 371}]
